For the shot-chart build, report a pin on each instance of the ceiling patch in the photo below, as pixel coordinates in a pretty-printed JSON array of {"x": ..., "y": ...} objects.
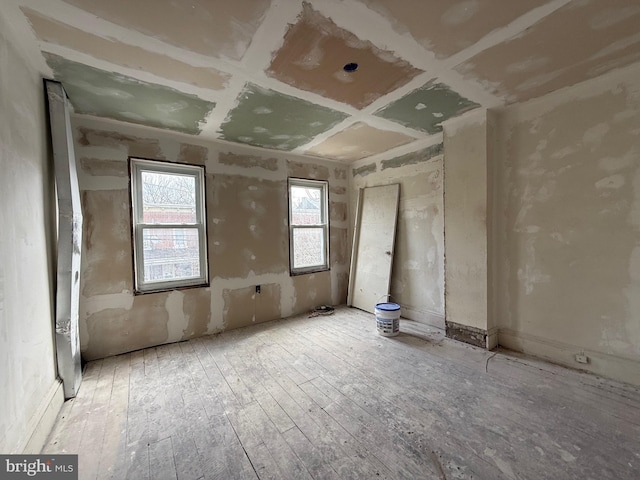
[
  {"x": 460, "y": 13},
  {"x": 364, "y": 170},
  {"x": 604, "y": 36},
  {"x": 414, "y": 158},
  {"x": 219, "y": 29},
  {"x": 269, "y": 119},
  {"x": 111, "y": 95},
  {"x": 320, "y": 57},
  {"x": 359, "y": 141},
  {"x": 427, "y": 107},
  {"x": 119, "y": 53},
  {"x": 447, "y": 28}
]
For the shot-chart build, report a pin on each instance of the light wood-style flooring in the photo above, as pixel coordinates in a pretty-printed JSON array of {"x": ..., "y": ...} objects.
[{"x": 328, "y": 398}]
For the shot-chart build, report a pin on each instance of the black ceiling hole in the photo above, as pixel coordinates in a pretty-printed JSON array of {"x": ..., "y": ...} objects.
[{"x": 350, "y": 67}]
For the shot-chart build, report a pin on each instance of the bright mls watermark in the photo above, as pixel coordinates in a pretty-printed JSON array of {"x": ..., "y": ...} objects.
[{"x": 51, "y": 467}]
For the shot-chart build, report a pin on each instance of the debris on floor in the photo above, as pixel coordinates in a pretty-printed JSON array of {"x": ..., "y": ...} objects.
[{"x": 322, "y": 310}]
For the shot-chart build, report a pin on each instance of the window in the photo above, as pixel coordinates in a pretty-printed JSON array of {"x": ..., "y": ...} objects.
[
  {"x": 308, "y": 226},
  {"x": 169, "y": 225}
]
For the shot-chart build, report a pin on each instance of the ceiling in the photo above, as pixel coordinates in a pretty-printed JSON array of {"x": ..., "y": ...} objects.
[{"x": 274, "y": 73}]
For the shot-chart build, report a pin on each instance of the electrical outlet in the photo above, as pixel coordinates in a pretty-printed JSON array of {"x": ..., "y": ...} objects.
[
  {"x": 257, "y": 288},
  {"x": 582, "y": 358}
]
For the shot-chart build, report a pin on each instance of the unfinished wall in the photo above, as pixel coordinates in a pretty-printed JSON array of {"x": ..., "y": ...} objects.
[
  {"x": 467, "y": 227},
  {"x": 569, "y": 226},
  {"x": 31, "y": 395},
  {"x": 248, "y": 240},
  {"x": 417, "y": 279}
]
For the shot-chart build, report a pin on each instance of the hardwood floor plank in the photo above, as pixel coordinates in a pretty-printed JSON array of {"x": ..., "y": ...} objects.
[
  {"x": 236, "y": 384},
  {"x": 371, "y": 393},
  {"x": 309, "y": 454},
  {"x": 556, "y": 460},
  {"x": 246, "y": 367},
  {"x": 203, "y": 388},
  {"x": 113, "y": 449},
  {"x": 153, "y": 403},
  {"x": 137, "y": 425},
  {"x": 263, "y": 463},
  {"x": 161, "y": 464},
  {"x": 211, "y": 449},
  {"x": 288, "y": 463},
  {"x": 216, "y": 379},
  {"x": 238, "y": 464},
  {"x": 137, "y": 464},
  {"x": 188, "y": 462},
  {"x": 67, "y": 432},
  {"x": 328, "y": 398},
  {"x": 94, "y": 430}
]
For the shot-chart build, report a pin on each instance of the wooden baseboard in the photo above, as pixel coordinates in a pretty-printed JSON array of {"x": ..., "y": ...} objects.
[
  {"x": 43, "y": 420},
  {"x": 428, "y": 318},
  {"x": 611, "y": 366}
]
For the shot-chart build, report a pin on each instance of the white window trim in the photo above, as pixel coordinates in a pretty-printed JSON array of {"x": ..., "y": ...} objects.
[
  {"x": 136, "y": 167},
  {"x": 324, "y": 205}
]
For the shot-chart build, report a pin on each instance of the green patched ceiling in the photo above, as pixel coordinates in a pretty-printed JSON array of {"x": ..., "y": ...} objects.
[
  {"x": 107, "y": 94},
  {"x": 427, "y": 107},
  {"x": 269, "y": 119}
]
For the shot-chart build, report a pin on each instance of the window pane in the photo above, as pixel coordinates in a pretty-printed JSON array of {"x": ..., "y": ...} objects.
[
  {"x": 306, "y": 205},
  {"x": 168, "y": 198},
  {"x": 170, "y": 254},
  {"x": 308, "y": 247}
]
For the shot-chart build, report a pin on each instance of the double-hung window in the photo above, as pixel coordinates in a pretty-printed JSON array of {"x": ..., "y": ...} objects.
[
  {"x": 308, "y": 226},
  {"x": 169, "y": 225}
]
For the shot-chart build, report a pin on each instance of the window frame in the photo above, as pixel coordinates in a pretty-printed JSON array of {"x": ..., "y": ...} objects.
[
  {"x": 136, "y": 166},
  {"x": 323, "y": 185}
]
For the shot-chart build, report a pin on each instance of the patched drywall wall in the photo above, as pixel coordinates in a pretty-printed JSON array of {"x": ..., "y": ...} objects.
[
  {"x": 107, "y": 239},
  {"x": 247, "y": 214},
  {"x": 313, "y": 290},
  {"x": 569, "y": 229},
  {"x": 245, "y": 236},
  {"x": 246, "y": 306},
  {"x": 465, "y": 226},
  {"x": 27, "y": 269},
  {"x": 417, "y": 279}
]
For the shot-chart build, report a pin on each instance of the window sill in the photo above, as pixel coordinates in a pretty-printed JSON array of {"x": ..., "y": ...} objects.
[
  {"x": 295, "y": 273},
  {"x": 170, "y": 289}
]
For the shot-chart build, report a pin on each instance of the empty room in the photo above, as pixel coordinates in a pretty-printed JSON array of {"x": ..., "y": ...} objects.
[{"x": 323, "y": 239}]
